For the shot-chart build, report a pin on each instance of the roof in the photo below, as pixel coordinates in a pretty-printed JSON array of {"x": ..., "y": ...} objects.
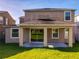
[
  {"x": 6, "y": 14},
  {"x": 3, "y": 11},
  {"x": 47, "y": 9},
  {"x": 22, "y": 17},
  {"x": 12, "y": 26}
]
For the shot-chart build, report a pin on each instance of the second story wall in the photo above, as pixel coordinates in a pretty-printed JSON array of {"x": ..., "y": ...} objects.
[{"x": 56, "y": 15}]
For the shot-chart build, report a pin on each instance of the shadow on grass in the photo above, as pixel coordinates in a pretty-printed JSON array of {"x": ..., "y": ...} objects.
[{"x": 7, "y": 50}]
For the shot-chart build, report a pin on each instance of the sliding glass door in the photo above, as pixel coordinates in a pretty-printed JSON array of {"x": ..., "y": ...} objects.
[{"x": 37, "y": 35}]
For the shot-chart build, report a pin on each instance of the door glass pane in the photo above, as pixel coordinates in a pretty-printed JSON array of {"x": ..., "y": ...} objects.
[{"x": 37, "y": 34}]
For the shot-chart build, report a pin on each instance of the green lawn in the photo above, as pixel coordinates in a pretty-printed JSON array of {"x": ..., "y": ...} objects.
[{"x": 12, "y": 51}]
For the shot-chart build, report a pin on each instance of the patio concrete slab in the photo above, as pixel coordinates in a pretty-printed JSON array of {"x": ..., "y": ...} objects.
[
  {"x": 58, "y": 44},
  {"x": 34, "y": 44},
  {"x": 40, "y": 44}
]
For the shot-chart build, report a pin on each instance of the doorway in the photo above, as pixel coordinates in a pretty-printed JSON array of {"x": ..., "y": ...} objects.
[{"x": 37, "y": 35}]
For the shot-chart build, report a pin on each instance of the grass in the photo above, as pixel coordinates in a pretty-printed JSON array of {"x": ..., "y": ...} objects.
[{"x": 12, "y": 51}]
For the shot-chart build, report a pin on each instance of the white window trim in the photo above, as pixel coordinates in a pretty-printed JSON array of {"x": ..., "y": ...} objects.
[
  {"x": 52, "y": 34},
  {"x": 70, "y": 16},
  {"x": 11, "y": 32}
]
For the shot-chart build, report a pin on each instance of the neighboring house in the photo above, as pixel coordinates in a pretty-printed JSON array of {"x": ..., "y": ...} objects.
[
  {"x": 76, "y": 29},
  {"x": 5, "y": 20},
  {"x": 77, "y": 18},
  {"x": 46, "y": 25}
]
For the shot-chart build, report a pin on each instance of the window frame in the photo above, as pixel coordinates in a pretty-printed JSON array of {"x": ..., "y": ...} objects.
[
  {"x": 6, "y": 21},
  {"x": 53, "y": 32},
  {"x": 1, "y": 18},
  {"x": 65, "y": 15},
  {"x": 11, "y": 33}
]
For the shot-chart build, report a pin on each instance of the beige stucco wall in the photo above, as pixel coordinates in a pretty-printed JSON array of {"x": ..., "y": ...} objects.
[
  {"x": 8, "y": 39},
  {"x": 49, "y": 35},
  {"x": 61, "y": 36},
  {"x": 26, "y": 35},
  {"x": 76, "y": 30}
]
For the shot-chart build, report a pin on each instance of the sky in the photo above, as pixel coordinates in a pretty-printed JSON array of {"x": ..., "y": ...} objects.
[{"x": 16, "y": 7}]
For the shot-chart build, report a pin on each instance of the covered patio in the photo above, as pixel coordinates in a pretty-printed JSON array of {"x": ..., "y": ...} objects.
[{"x": 45, "y": 42}]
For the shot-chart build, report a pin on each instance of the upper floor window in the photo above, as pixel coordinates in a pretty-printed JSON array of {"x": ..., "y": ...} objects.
[{"x": 67, "y": 15}]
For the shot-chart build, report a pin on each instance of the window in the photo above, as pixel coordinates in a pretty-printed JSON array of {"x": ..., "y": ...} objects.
[
  {"x": 37, "y": 35},
  {"x": 6, "y": 21},
  {"x": 1, "y": 18},
  {"x": 14, "y": 32},
  {"x": 67, "y": 15},
  {"x": 55, "y": 33}
]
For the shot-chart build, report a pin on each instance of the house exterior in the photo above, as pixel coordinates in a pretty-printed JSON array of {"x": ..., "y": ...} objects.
[
  {"x": 76, "y": 29},
  {"x": 46, "y": 25},
  {"x": 5, "y": 20}
]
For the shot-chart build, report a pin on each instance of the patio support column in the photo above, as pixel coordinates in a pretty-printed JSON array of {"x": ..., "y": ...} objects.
[
  {"x": 29, "y": 35},
  {"x": 21, "y": 37},
  {"x": 70, "y": 37},
  {"x": 45, "y": 37}
]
